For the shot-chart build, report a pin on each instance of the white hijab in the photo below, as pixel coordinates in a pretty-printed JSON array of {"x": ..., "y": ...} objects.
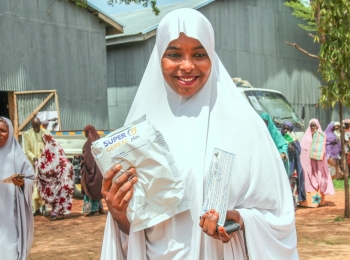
[
  {"x": 16, "y": 224},
  {"x": 217, "y": 116}
]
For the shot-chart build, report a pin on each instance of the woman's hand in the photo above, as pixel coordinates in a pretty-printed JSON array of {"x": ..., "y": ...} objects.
[
  {"x": 18, "y": 182},
  {"x": 118, "y": 193},
  {"x": 209, "y": 221}
]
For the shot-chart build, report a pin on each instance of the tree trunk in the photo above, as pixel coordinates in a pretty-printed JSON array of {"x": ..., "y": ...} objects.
[{"x": 344, "y": 163}]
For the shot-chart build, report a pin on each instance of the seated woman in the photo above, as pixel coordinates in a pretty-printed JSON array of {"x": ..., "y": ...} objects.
[
  {"x": 189, "y": 96},
  {"x": 318, "y": 181},
  {"x": 278, "y": 139},
  {"x": 297, "y": 176},
  {"x": 16, "y": 218},
  {"x": 55, "y": 178}
]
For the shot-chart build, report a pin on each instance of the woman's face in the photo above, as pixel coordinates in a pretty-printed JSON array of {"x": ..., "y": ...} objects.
[
  {"x": 285, "y": 129},
  {"x": 313, "y": 127},
  {"x": 185, "y": 65},
  {"x": 4, "y": 133}
]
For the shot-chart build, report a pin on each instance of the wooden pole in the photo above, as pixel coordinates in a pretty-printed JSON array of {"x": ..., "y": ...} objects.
[
  {"x": 34, "y": 92},
  {"x": 15, "y": 117},
  {"x": 35, "y": 111},
  {"x": 58, "y": 111}
]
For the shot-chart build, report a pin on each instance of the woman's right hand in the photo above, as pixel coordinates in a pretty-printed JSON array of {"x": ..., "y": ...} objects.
[{"x": 118, "y": 193}]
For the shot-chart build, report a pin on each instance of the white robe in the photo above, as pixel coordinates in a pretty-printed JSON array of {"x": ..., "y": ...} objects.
[
  {"x": 16, "y": 217},
  {"x": 216, "y": 117}
]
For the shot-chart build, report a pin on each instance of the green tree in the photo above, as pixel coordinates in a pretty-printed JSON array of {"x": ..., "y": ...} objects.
[
  {"x": 145, "y": 3},
  {"x": 331, "y": 21}
]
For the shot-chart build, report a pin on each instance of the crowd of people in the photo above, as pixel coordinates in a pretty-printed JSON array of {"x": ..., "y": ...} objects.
[
  {"x": 186, "y": 92},
  {"x": 43, "y": 179},
  {"x": 312, "y": 164}
]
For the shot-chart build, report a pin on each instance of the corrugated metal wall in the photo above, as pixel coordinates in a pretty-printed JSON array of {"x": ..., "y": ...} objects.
[
  {"x": 125, "y": 66},
  {"x": 250, "y": 40},
  {"x": 52, "y": 45}
]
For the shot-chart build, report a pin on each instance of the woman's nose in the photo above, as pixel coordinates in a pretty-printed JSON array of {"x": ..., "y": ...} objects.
[{"x": 186, "y": 65}]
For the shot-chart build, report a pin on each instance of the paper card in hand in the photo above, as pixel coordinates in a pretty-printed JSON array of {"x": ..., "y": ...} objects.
[{"x": 218, "y": 184}]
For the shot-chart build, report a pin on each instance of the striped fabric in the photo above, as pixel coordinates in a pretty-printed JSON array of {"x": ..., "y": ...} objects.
[{"x": 318, "y": 146}]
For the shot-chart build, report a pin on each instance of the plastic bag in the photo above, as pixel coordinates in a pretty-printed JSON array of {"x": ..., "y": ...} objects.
[{"x": 159, "y": 192}]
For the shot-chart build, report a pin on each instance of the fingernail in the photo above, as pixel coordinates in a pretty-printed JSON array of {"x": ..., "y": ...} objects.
[
  {"x": 118, "y": 167},
  {"x": 211, "y": 211},
  {"x": 130, "y": 172},
  {"x": 221, "y": 229}
]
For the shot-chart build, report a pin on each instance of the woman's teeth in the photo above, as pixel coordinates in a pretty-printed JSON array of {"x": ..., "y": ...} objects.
[{"x": 186, "y": 79}]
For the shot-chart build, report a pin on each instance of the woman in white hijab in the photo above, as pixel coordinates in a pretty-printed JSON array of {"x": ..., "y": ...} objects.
[
  {"x": 189, "y": 96},
  {"x": 16, "y": 218}
]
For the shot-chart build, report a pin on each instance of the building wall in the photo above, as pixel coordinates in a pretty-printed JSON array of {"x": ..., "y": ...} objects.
[
  {"x": 126, "y": 64},
  {"x": 250, "y": 40},
  {"x": 52, "y": 45}
]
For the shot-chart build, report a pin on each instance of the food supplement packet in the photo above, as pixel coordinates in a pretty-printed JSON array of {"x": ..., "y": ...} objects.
[{"x": 159, "y": 192}]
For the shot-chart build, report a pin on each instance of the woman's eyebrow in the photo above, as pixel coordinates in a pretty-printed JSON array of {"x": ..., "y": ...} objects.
[
  {"x": 177, "y": 48},
  {"x": 198, "y": 47},
  {"x": 172, "y": 48}
]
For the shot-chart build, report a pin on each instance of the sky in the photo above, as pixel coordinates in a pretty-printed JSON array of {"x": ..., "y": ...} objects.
[{"x": 121, "y": 8}]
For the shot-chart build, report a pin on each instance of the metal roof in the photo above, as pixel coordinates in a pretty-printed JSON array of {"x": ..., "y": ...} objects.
[
  {"x": 139, "y": 25},
  {"x": 113, "y": 26}
]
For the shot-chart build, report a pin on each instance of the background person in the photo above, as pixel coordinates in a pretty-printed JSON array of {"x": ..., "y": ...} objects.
[
  {"x": 333, "y": 150},
  {"x": 318, "y": 181},
  {"x": 16, "y": 219},
  {"x": 33, "y": 147},
  {"x": 346, "y": 124},
  {"x": 91, "y": 177},
  {"x": 297, "y": 176},
  {"x": 191, "y": 99},
  {"x": 278, "y": 139},
  {"x": 55, "y": 178}
]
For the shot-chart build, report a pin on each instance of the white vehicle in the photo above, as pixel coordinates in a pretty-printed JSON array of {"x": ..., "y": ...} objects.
[{"x": 273, "y": 102}]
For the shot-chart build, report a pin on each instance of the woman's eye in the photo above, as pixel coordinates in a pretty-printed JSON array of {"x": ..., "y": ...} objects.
[
  {"x": 173, "y": 55},
  {"x": 200, "y": 55}
]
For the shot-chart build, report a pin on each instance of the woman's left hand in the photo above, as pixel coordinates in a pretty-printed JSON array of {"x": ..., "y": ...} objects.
[
  {"x": 209, "y": 221},
  {"x": 18, "y": 182}
]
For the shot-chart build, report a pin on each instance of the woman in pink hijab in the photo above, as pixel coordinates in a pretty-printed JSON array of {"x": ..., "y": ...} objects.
[{"x": 318, "y": 181}]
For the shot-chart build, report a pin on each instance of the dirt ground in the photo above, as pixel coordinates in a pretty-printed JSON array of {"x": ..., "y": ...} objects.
[{"x": 322, "y": 233}]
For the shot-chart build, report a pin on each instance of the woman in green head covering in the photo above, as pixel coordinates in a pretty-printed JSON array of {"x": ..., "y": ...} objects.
[{"x": 278, "y": 139}]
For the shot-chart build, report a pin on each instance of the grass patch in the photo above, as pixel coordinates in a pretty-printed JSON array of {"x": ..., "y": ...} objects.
[
  {"x": 338, "y": 219},
  {"x": 339, "y": 184}
]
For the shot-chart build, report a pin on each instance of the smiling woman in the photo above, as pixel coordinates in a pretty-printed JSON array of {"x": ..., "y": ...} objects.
[
  {"x": 4, "y": 133},
  {"x": 189, "y": 96},
  {"x": 185, "y": 65}
]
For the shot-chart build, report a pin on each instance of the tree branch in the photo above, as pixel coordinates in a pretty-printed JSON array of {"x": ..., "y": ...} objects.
[
  {"x": 311, "y": 35},
  {"x": 302, "y": 50}
]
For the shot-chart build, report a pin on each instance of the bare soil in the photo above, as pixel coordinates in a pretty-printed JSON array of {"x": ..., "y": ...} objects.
[{"x": 323, "y": 233}]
